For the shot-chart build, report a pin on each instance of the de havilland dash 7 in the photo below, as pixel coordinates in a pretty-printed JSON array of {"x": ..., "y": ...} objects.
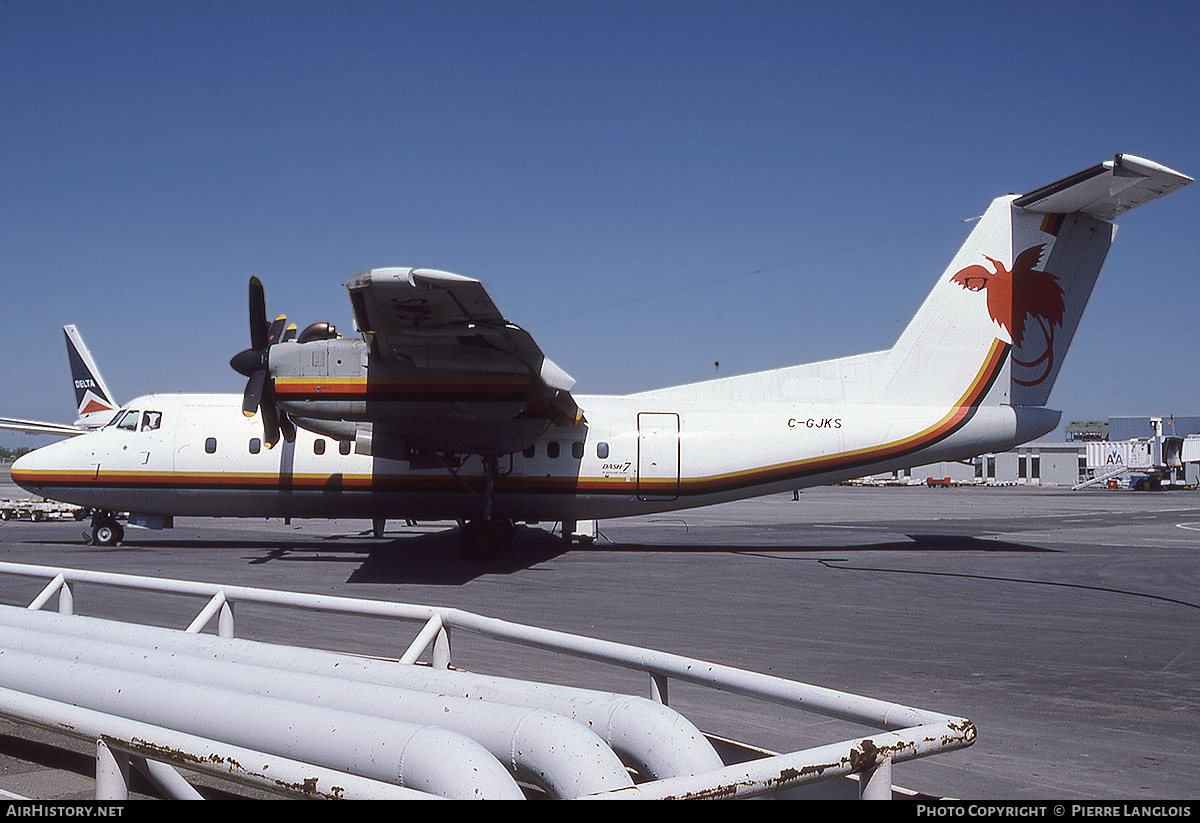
[{"x": 442, "y": 409}]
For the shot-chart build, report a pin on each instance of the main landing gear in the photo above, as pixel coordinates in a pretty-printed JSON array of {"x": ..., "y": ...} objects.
[
  {"x": 487, "y": 536},
  {"x": 484, "y": 538},
  {"x": 106, "y": 531}
]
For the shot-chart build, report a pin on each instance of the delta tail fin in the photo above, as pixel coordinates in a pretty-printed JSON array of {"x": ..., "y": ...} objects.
[
  {"x": 93, "y": 400},
  {"x": 997, "y": 325}
]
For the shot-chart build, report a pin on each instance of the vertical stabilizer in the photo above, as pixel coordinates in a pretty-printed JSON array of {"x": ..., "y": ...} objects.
[
  {"x": 997, "y": 325},
  {"x": 952, "y": 352},
  {"x": 1051, "y": 284},
  {"x": 92, "y": 398}
]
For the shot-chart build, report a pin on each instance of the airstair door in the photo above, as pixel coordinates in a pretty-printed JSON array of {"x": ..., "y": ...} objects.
[{"x": 658, "y": 456}]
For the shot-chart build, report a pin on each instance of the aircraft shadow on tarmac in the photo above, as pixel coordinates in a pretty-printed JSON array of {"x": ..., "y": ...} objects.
[
  {"x": 432, "y": 558},
  {"x": 914, "y": 543}
]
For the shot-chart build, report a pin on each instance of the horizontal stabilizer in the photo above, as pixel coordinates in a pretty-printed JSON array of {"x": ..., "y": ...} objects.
[{"x": 1107, "y": 190}]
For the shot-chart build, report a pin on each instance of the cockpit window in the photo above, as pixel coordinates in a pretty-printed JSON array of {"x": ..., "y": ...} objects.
[
  {"x": 151, "y": 420},
  {"x": 130, "y": 421}
]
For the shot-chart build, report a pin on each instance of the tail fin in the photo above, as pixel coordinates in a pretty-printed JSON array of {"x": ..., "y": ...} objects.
[
  {"x": 997, "y": 325},
  {"x": 94, "y": 401}
]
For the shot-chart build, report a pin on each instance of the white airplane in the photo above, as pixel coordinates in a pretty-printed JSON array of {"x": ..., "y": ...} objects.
[
  {"x": 443, "y": 410},
  {"x": 92, "y": 398}
]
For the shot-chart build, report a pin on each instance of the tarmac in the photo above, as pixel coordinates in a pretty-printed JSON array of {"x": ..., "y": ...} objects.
[{"x": 1064, "y": 624}]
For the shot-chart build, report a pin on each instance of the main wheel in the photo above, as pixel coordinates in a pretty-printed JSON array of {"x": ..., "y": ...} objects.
[{"x": 483, "y": 539}]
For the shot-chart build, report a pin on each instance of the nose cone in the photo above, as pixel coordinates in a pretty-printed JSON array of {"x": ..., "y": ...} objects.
[
  {"x": 42, "y": 470},
  {"x": 26, "y": 470}
]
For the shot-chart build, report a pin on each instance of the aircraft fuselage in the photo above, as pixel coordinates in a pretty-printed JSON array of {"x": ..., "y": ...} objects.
[{"x": 199, "y": 455}]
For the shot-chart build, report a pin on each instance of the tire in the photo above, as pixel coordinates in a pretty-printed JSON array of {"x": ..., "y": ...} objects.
[
  {"x": 479, "y": 540},
  {"x": 107, "y": 534}
]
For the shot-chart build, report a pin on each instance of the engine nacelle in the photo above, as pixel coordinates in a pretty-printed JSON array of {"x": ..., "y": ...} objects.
[{"x": 339, "y": 388}]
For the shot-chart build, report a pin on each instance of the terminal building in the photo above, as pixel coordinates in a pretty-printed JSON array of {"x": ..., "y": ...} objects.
[{"x": 1121, "y": 452}]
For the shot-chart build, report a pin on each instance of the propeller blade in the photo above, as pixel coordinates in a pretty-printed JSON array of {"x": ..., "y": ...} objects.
[
  {"x": 258, "y": 314},
  {"x": 254, "y": 363},
  {"x": 270, "y": 425},
  {"x": 252, "y": 397},
  {"x": 275, "y": 334}
]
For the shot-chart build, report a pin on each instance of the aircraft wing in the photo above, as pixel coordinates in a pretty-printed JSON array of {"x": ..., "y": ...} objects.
[
  {"x": 35, "y": 427},
  {"x": 448, "y": 324}
]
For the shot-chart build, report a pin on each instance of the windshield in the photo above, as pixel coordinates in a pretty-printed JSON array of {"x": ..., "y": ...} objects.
[{"x": 129, "y": 421}]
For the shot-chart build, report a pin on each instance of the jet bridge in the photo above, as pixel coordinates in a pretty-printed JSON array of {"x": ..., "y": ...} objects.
[
  {"x": 309, "y": 723},
  {"x": 1155, "y": 458}
]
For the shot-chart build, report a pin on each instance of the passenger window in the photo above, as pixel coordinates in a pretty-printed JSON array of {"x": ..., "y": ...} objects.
[
  {"x": 602, "y": 451},
  {"x": 577, "y": 450},
  {"x": 210, "y": 445},
  {"x": 318, "y": 446},
  {"x": 255, "y": 445},
  {"x": 552, "y": 449},
  {"x": 129, "y": 422},
  {"x": 530, "y": 452},
  {"x": 344, "y": 446}
]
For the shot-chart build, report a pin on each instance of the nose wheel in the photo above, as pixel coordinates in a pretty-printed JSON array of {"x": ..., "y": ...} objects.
[{"x": 106, "y": 531}]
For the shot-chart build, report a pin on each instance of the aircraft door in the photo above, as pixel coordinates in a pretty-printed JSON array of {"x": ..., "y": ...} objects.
[{"x": 658, "y": 456}]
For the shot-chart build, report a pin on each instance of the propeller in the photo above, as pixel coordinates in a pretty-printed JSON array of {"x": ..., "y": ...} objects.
[{"x": 254, "y": 364}]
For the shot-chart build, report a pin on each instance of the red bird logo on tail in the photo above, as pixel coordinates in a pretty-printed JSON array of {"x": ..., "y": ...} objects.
[{"x": 1013, "y": 296}]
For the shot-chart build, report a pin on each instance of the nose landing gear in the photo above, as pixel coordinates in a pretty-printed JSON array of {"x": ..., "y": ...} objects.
[{"x": 106, "y": 531}]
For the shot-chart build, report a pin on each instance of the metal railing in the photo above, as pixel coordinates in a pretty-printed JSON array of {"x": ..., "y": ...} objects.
[{"x": 53, "y": 658}]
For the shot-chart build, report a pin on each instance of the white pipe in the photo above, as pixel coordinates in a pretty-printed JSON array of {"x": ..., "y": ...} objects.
[
  {"x": 419, "y": 757},
  {"x": 655, "y": 739},
  {"x": 236, "y": 763},
  {"x": 553, "y": 752}
]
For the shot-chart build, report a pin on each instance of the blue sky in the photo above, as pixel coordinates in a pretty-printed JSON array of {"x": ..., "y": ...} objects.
[{"x": 649, "y": 187}]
